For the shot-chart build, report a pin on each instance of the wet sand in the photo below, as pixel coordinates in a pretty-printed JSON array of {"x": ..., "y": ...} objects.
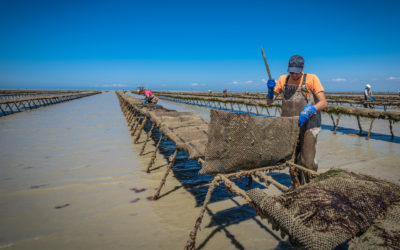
[{"x": 71, "y": 178}]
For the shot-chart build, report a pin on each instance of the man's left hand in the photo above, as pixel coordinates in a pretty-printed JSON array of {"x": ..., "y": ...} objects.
[{"x": 306, "y": 113}]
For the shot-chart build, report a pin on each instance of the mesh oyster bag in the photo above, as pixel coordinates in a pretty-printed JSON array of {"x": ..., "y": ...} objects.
[
  {"x": 242, "y": 141},
  {"x": 384, "y": 234},
  {"x": 330, "y": 210},
  {"x": 187, "y": 130}
]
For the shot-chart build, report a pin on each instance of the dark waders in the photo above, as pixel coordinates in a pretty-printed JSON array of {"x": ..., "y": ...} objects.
[{"x": 293, "y": 103}]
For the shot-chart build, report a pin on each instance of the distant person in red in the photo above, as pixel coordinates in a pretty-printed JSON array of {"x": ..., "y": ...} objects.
[{"x": 149, "y": 97}]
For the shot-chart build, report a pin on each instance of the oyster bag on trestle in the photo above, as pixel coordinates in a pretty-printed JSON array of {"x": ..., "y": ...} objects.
[{"x": 243, "y": 141}]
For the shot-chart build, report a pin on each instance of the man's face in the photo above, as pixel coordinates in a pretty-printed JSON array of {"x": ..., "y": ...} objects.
[{"x": 295, "y": 76}]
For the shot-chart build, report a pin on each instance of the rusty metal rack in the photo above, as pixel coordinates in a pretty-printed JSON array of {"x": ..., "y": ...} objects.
[
  {"x": 15, "y": 105},
  {"x": 258, "y": 107}
]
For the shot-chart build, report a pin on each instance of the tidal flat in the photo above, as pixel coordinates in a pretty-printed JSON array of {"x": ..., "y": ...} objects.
[{"x": 72, "y": 178}]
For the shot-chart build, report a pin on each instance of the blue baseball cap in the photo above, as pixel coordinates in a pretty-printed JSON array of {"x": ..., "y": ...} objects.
[{"x": 296, "y": 64}]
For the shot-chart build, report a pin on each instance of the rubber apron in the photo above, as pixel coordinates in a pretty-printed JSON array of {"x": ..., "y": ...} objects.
[{"x": 293, "y": 103}]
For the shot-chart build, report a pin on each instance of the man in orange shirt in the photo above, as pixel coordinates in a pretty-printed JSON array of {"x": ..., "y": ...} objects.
[{"x": 303, "y": 96}]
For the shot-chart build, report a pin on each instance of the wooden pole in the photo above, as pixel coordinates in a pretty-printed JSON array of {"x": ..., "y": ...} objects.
[
  {"x": 391, "y": 128},
  {"x": 154, "y": 155},
  {"x": 8, "y": 105},
  {"x": 266, "y": 63},
  {"x": 136, "y": 126},
  {"x": 133, "y": 123},
  {"x": 147, "y": 139},
  {"x": 22, "y": 102},
  {"x": 4, "y": 113},
  {"x": 191, "y": 243},
  {"x": 171, "y": 163},
  {"x": 359, "y": 124},
  {"x": 15, "y": 104},
  {"x": 337, "y": 123},
  {"x": 370, "y": 128}
]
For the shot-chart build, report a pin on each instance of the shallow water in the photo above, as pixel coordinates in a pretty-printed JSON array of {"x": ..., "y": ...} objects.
[{"x": 71, "y": 178}]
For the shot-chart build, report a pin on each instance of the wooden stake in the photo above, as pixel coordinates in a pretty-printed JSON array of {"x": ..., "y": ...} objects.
[
  {"x": 147, "y": 138},
  {"x": 370, "y": 128},
  {"x": 191, "y": 243},
  {"x": 23, "y": 105},
  {"x": 171, "y": 163},
  {"x": 154, "y": 155},
  {"x": 359, "y": 124},
  {"x": 15, "y": 104},
  {"x": 8, "y": 105},
  {"x": 391, "y": 129},
  {"x": 256, "y": 110},
  {"x": 4, "y": 113},
  {"x": 268, "y": 111},
  {"x": 337, "y": 123},
  {"x": 134, "y": 122},
  {"x": 136, "y": 126},
  {"x": 276, "y": 110}
]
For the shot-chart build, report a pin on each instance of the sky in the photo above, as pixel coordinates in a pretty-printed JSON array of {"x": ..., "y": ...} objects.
[{"x": 197, "y": 45}]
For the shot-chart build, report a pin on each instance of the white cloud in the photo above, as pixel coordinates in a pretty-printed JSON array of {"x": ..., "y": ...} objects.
[
  {"x": 114, "y": 85},
  {"x": 195, "y": 84},
  {"x": 264, "y": 80},
  {"x": 235, "y": 82},
  {"x": 248, "y": 82},
  {"x": 393, "y": 78},
  {"x": 338, "y": 80}
]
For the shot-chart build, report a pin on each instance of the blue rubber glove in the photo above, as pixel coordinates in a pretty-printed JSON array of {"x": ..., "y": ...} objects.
[
  {"x": 306, "y": 113},
  {"x": 271, "y": 85},
  {"x": 372, "y": 98}
]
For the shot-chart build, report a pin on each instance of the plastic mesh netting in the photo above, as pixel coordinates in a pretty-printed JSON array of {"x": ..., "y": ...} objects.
[
  {"x": 187, "y": 130},
  {"x": 384, "y": 234},
  {"x": 243, "y": 141},
  {"x": 330, "y": 210}
]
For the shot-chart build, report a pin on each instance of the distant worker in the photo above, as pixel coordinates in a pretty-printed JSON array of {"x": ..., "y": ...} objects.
[
  {"x": 225, "y": 93},
  {"x": 368, "y": 96},
  {"x": 149, "y": 97},
  {"x": 303, "y": 96}
]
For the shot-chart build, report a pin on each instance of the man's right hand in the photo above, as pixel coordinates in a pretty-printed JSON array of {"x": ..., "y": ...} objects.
[{"x": 271, "y": 86}]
